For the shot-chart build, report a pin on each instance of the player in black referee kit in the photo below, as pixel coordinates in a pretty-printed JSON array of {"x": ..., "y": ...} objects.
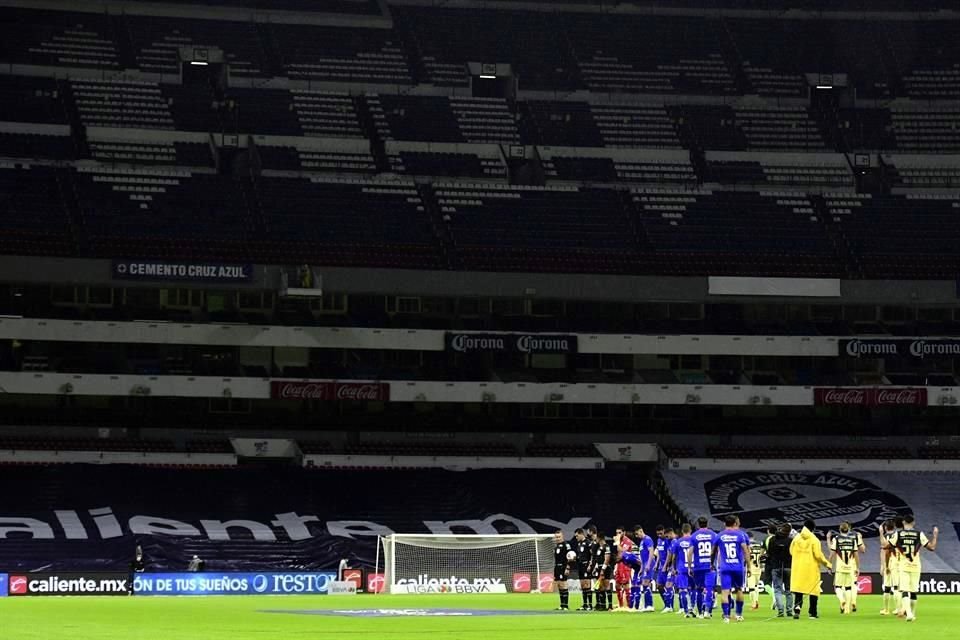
[{"x": 563, "y": 555}]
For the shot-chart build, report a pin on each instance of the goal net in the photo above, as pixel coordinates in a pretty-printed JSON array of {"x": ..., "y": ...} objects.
[{"x": 466, "y": 563}]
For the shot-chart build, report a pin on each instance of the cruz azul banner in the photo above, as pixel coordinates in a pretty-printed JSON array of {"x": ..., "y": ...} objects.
[
  {"x": 181, "y": 271},
  {"x": 325, "y": 390},
  {"x": 510, "y": 343},
  {"x": 869, "y": 397},
  {"x": 907, "y": 348},
  {"x": 865, "y": 499}
]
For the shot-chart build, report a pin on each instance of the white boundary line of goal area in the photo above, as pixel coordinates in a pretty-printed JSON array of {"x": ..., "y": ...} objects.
[{"x": 392, "y": 539}]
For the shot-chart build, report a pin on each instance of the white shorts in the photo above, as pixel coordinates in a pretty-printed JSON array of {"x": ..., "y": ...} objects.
[
  {"x": 845, "y": 580},
  {"x": 909, "y": 581},
  {"x": 891, "y": 579}
]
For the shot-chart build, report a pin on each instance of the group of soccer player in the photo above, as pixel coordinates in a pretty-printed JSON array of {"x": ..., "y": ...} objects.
[
  {"x": 683, "y": 565},
  {"x": 690, "y": 568}
]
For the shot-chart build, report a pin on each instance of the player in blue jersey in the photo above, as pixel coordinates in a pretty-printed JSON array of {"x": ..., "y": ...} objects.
[
  {"x": 642, "y": 586},
  {"x": 664, "y": 579},
  {"x": 730, "y": 558},
  {"x": 704, "y": 580},
  {"x": 680, "y": 562}
]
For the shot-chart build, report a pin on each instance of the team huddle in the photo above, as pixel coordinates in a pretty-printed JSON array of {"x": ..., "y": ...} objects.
[{"x": 691, "y": 568}]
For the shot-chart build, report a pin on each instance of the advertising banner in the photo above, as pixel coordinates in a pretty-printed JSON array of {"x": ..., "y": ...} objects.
[
  {"x": 376, "y": 583},
  {"x": 3, "y": 584},
  {"x": 449, "y": 585},
  {"x": 523, "y": 583},
  {"x": 944, "y": 584},
  {"x": 906, "y": 348},
  {"x": 534, "y": 343},
  {"x": 264, "y": 447},
  {"x": 342, "y": 588},
  {"x": 228, "y": 584},
  {"x": 326, "y": 390},
  {"x": 865, "y": 499},
  {"x": 628, "y": 451},
  {"x": 791, "y": 287},
  {"x": 869, "y": 397},
  {"x": 241, "y": 522},
  {"x": 355, "y": 576},
  {"x": 91, "y": 583},
  {"x": 181, "y": 271}
]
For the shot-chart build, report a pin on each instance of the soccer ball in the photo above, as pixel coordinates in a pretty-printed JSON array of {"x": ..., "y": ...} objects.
[{"x": 571, "y": 555}]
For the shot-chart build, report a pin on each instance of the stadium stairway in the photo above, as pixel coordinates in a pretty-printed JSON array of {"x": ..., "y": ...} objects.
[
  {"x": 658, "y": 485},
  {"x": 733, "y": 59},
  {"x": 78, "y": 132},
  {"x": 441, "y": 229},
  {"x": 367, "y": 111},
  {"x": 271, "y": 52},
  {"x": 844, "y": 252}
]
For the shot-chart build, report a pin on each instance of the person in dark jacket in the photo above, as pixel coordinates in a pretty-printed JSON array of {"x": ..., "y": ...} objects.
[{"x": 778, "y": 562}]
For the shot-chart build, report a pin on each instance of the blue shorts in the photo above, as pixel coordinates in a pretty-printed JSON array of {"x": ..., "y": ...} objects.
[
  {"x": 700, "y": 578},
  {"x": 731, "y": 579},
  {"x": 663, "y": 578},
  {"x": 682, "y": 580},
  {"x": 711, "y": 580}
]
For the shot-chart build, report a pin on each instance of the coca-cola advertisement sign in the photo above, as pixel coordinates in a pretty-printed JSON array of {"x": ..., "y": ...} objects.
[
  {"x": 329, "y": 390},
  {"x": 869, "y": 397},
  {"x": 840, "y": 396},
  {"x": 361, "y": 391},
  {"x": 290, "y": 390},
  {"x": 900, "y": 396}
]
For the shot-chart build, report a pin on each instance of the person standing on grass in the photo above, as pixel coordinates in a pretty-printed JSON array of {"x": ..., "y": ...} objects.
[
  {"x": 910, "y": 542},
  {"x": 843, "y": 550},
  {"x": 779, "y": 562},
  {"x": 563, "y": 557},
  {"x": 806, "y": 559}
]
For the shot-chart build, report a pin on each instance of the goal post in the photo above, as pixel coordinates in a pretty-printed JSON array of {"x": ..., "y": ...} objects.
[{"x": 451, "y": 563}]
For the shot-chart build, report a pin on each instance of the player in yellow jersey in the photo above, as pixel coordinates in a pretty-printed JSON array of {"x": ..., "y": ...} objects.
[
  {"x": 889, "y": 569},
  {"x": 910, "y": 542},
  {"x": 755, "y": 563},
  {"x": 843, "y": 550}
]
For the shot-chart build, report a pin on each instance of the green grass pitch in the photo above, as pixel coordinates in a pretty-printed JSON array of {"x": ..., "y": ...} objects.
[{"x": 244, "y": 617}]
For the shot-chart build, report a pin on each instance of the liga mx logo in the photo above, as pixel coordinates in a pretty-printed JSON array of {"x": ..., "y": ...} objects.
[{"x": 765, "y": 499}]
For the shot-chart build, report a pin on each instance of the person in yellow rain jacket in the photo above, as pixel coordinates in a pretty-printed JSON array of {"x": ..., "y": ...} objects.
[{"x": 807, "y": 558}]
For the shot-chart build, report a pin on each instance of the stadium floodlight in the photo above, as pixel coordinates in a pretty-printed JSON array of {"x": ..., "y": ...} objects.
[
  {"x": 199, "y": 63},
  {"x": 452, "y": 563},
  {"x": 824, "y": 86},
  {"x": 487, "y": 77}
]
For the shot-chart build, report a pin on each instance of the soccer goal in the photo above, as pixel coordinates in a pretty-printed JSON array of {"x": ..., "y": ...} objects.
[{"x": 423, "y": 563}]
